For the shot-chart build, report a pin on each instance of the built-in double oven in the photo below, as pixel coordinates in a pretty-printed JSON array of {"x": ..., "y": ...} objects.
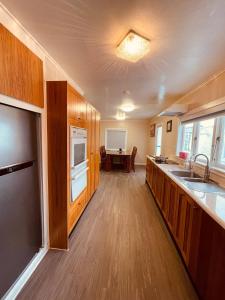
[{"x": 79, "y": 161}]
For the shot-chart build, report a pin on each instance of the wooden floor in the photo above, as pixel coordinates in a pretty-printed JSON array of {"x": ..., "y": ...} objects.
[{"x": 119, "y": 250}]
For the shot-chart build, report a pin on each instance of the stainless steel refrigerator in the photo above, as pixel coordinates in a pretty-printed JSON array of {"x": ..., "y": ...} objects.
[{"x": 20, "y": 197}]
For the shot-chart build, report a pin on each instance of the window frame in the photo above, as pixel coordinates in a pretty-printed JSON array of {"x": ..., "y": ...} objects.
[
  {"x": 182, "y": 137},
  {"x": 216, "y": 148}
]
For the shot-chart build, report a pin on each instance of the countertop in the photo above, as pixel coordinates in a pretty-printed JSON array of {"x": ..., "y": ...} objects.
[{"x": 212, "y": 203}]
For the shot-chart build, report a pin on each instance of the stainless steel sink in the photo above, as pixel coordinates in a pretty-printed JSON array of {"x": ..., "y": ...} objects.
[
  {"x": 204, "y": 187},
  {"x": 194, "y": 179},
  {"x": 194, "y": 182},
  {"x": 183, "y": 173}
]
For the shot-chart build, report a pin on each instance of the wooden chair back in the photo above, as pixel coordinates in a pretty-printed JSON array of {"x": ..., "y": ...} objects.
[
  {"x": 133, "y": 155},
  {"x": 102, "y": 152}
]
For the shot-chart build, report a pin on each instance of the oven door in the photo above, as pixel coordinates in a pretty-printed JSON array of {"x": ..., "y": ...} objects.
[
  {"x": 78, "y": 180},
  {"x": 78, "y": 152}
]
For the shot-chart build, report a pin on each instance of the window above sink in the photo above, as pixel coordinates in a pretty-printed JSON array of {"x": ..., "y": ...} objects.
[{"x": 205, "y": 136}]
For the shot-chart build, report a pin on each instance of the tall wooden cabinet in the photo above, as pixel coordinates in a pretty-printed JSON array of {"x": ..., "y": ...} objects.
[{"x": 67, "y": 107}]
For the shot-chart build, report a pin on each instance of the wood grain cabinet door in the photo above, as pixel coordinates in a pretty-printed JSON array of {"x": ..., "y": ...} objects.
[
  {"x": 97, "y": 149},
  {"x": 81, "y": 108},
  {"x": 92, "y": 153},
  {"x": 172, "y": 200},
  {"x": 166, "y": 197},
  {"x": 187, "y": 229},
  {"x": 71, "y": 102},
  {"x": 154, "y": 178},
  {"x": 150, "y": 173},
  {"x": 159, "y": 186},
  {"x": 211, "y": 260},
  {"x": 21, "y": 74}
]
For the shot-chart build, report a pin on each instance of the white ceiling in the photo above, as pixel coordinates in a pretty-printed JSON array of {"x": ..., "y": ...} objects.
[{"x": 187, "y": 46}]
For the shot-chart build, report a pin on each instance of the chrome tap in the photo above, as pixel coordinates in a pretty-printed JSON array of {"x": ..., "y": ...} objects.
[{"x": 207, "y": 172}]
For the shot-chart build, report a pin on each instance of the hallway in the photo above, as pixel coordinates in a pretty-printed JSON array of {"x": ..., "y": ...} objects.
[{"x": 119, "y": 250}]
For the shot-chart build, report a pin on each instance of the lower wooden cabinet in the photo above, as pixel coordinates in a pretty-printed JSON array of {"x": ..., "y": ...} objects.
[
  {"x": 210, "y": 271},
  {"x": 199, "y": 239},
  {"x": 171, "y": 205},
  {"x": 159, "y": 186},
  {"x": 187, "y": 231}
]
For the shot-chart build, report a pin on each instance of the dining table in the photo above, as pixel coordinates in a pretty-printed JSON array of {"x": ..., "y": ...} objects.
[{"x": 124, "y": 157}]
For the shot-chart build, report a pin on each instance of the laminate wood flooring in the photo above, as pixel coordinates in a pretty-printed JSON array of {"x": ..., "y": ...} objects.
[{"x": 119, "y": 250}]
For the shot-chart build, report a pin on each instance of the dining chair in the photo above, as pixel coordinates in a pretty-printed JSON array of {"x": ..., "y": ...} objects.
[
  {"x": 103, "y": 157},
  {"x": 133, "y": 154}
]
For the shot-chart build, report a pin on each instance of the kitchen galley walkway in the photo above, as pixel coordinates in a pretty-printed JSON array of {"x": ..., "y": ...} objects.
[{"x": 119, "y": 250}]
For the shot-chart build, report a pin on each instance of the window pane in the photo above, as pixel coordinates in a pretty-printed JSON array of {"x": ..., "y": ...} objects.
[
  {"x": 115, "y": 139},
  {"x": 158, "y": 140},
  {"x": 222, "y": 143},
  {"x": 187, "y": 137},
  {"x": 205, "y": 137}
]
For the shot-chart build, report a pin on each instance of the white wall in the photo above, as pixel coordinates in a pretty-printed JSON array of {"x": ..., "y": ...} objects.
[{"x": 138, "y": 135}]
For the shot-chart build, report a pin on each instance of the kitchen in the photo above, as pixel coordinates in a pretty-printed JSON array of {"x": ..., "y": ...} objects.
[{"x": 69, "y": 230}]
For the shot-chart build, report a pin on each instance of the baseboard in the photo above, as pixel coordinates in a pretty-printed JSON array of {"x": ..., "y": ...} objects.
[{"x": 16, "y": 288}]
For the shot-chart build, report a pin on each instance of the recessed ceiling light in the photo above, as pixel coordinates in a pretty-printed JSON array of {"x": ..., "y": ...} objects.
[
  {"x": 133, "y": 47},
  {"x": 128, "y": 107},
  {"x": 120, "y": 115}
]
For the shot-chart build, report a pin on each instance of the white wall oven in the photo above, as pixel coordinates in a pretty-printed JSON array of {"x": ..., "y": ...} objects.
[{"x": 79, "y": 161}]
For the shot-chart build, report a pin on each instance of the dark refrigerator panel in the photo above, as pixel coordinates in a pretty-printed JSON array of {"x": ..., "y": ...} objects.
[
  {"x": 20, "y": 204},
  {"x": 18, "y": 135}
]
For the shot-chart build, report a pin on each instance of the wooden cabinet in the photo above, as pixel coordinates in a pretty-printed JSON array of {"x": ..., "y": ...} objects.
[
  {"x": 159, "y": 186},
  {"x": 21, "y": 75},
  {"x": 210, "y": 271},
  {"x": 97, "y": 149},
  {"x": 200, "y": 240},
  {"x": 65, "y": 108},
  {"x": 93, "y": 147},
  {"x": 188, "y": 224},
  {"x": 77, "y": 107},
  {"x": 153, "y": 179},
  {"x": 169, "y": 203}
]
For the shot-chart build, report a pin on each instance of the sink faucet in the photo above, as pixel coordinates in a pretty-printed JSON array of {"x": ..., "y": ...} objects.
[{"x": 207, "y": 172}]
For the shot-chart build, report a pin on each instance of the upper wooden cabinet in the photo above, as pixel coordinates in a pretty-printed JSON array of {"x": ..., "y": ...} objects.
[
  {"x": 21, "y": 71},
  {"x": 76, "y": 106}
]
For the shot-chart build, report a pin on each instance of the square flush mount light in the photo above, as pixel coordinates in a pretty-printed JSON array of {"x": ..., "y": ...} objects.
[{"x": 133, "y": 47}]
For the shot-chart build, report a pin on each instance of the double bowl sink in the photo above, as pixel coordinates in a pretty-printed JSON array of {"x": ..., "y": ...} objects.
[{"x": 196, "y": 182}]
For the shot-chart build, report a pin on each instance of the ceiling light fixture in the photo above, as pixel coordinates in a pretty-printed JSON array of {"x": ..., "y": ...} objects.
[
  {"x": 127, "y": 107},
  {"x": 120, "y": 116},
  {"x": 133, "y": 47}
]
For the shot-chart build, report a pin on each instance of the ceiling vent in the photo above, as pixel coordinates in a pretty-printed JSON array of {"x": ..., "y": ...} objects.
[{"x": 174, "y": 110}]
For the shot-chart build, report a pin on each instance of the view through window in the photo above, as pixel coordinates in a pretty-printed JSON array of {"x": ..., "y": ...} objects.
[{"x": 158, "y": 140}]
